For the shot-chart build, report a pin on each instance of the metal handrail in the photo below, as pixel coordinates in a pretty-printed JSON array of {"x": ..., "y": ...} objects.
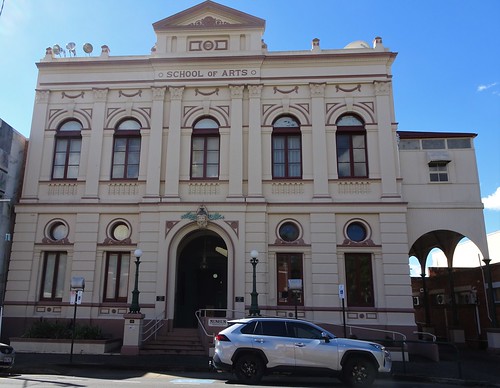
[
  {"x": 394, "y": 333},
  {"x": 203, "y": 313},
  {"x": 426, "y": 333},
  {"x": 200, "y": 322},
  {"x": 152, "y": 327}
]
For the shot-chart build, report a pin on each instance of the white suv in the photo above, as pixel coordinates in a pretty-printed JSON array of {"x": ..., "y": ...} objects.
[{"x": 252, "y": 347}]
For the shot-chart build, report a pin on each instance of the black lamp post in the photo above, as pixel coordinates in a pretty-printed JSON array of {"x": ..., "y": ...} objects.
[
  {"x": 134, "y": 307},
  {"x": 254, "y": 307},
  {"x": 491, "y": 301}
]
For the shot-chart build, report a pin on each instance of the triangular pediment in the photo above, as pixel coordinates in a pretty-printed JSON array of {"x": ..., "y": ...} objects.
[{"x": 208, "y": 15}]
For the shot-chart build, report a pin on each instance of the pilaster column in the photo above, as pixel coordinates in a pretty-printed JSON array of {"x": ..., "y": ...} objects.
[
  {"x": 172, "y": 172},
  {"x": 387, "y": 140},
  {"x": 155, "y": 142},
  {"x": 236, "y": 142},
  {"x": 254, "y": 164},
  {"x": 132, "y": 334},
  {"x": 96, "y": 138},
  {"x": 319, "y": 154},
  {"x": 33, "y": 167}
]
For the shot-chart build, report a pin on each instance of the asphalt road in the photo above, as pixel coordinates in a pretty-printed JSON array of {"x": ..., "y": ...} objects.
[{"x": 101, "y": 378}]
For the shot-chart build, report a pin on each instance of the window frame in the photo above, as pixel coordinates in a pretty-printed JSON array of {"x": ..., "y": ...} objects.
[
  {"x": 496, "y": 294},
  {"x": 119, "y": 278},
  {"x": 56, "y": 277},
  {"x": 282, "y": 281},
  {"x": 205, "y": 133},
  {"x": 350, "y": 132},
  {"x": 296, "y": 328},
  {"x": 285, "y": 228},
  {"x": 354, "y": 263},
  {"x": 55, "y": 228},
  {"x": 351, "y": 233},
  {"x": 271, "y": 328},
  {"x": 287, "y": 133},
  {"x": 439, "y": 170},
  {"x": 114, "y": 231},
  {"x": 70, "y": 136},
  {"x": 129, "y": 135}
]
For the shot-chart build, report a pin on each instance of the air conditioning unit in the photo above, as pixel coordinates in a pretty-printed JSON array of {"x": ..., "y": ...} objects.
[
  {"x": 286, "y": 314},
  {"x": 290, "y": 314},
  {"x": 440, "y": 299},
  {"x": 470, "y": 298},
  {"x": 416, "y": 301}
]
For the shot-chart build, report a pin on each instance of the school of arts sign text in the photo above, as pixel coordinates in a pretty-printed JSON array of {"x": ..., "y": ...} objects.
[{"x": 213, "y": 73}]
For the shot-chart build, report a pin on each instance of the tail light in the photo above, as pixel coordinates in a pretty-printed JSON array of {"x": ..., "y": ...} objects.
[{"x": 221, "y": 338}]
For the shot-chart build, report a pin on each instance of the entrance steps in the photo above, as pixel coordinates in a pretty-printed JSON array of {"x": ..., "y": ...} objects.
[{"x": 179, "y": 341}]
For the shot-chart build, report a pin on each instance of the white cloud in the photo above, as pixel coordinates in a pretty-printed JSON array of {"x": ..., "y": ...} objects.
[
  {"x": 482, "y": 88},
  {"x": 415, "y": 270},
  {"x": 492, "y": 202}
]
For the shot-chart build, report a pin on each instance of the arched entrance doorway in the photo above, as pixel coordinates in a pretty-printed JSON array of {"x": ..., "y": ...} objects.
[{"x": 201, "y": 281}]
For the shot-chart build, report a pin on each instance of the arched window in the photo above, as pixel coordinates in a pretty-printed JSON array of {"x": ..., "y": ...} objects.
[
  {"x": 126, "y": 150},
  {"x": 286, "y": 148},
  {"x": 352, "y": 159},
  {"x": 205, "y": 147},
  {"x": 67, "y": 150}
]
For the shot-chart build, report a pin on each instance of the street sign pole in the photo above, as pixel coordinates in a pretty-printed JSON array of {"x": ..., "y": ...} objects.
[
  {"x": 77, "y": 286},
  {"x": 343, "y": 318},
  {"x": 342, "y": 298},
  {"x": 74, "y": 327}
]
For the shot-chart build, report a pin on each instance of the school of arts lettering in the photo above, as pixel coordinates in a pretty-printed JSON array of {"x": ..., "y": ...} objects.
[{"x": 208, "y": 73}]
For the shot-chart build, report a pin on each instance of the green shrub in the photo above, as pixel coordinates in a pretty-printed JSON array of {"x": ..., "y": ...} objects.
[
  {"x": 47, "y": 329},
  {"x": 88, "y": 332},
  {"x": 60, "y": 330}
]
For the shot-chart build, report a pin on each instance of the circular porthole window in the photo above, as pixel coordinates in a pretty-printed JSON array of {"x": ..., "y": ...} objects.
[
  {"x": 357, "y": 231},
  {"x": 58, "y": 230},
  {"x": 120, "y": 231},
  {"x": 289, "y": 231}
]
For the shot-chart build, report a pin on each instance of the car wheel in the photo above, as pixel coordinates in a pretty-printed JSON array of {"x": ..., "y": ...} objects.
[
  {"x": 358, "y": 372},
  {"x": 249, "y": 369}
]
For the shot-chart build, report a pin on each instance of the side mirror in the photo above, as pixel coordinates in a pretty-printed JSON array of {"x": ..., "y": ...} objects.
[{"x": 325, "y": 337}]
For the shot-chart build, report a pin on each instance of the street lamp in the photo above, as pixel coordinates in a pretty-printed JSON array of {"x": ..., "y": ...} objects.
[
  {"x": 3, "y": 274},
  {"x": 254, "y": 307},
  {"x": 134, "y": 307},
  {"x": 491, "y": 300}
]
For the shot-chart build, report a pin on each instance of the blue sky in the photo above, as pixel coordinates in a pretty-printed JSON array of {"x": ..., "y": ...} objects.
[{"x": 446, "y": 74}]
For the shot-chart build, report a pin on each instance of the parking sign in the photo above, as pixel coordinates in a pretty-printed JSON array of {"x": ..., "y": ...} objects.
[{"x": 341, "y": 291}]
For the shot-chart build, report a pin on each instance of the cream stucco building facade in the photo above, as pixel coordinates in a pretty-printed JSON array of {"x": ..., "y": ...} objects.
[{"x": 213, "y": 146}]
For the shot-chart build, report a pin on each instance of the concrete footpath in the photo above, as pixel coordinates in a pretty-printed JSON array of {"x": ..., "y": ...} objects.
[{"x": 473, "y": 368}]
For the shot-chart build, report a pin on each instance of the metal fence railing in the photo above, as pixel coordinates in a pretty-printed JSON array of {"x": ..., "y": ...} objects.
[{"x": 424, "y": 354}]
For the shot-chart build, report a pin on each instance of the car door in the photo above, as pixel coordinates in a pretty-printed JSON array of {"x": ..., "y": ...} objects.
[
  {"x": 271, "y": 337},
  {"x": 311, "y": 350}
]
